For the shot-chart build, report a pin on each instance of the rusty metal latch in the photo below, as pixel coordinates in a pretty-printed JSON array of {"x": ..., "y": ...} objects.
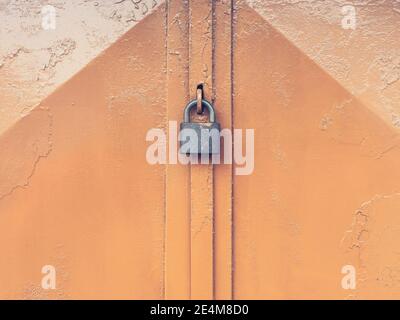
[{"x": 199, "y": 95}]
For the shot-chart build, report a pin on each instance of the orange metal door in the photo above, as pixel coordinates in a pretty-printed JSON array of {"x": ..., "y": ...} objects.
[
  {"x": 78, "y": 194},
  {"x": 317, "y": 218},
  {"x": 76, "y": 190}
]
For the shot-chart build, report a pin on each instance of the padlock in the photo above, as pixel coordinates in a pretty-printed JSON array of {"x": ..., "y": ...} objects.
[{"x": 199, "y": 137}]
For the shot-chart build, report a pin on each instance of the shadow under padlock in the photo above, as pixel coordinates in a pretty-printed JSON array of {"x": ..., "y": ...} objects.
[{"x": 199, "y": 138}]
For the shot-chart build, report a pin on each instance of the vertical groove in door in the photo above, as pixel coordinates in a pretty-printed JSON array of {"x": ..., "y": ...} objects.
[
  {"x": 232, "y": 99},
  {"x": 177, "y": 227},
  {"x": 201, "y": 175},
  {"x": 165, "y": 169}
]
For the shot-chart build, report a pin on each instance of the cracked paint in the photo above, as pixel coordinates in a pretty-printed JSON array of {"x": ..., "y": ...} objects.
[
  {"x": 35, "y": 147},
  {"x": 371, "y": 243}
]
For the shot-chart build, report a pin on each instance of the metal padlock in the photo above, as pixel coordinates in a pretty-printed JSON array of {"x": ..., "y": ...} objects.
[{"x": 199, "y": 137}]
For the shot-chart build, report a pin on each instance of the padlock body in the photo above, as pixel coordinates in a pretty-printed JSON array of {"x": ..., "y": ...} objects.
[{"x": 199, "y": 138}]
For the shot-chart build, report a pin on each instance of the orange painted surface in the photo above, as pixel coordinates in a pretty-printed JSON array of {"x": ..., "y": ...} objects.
[
  {"x": 201, "y": 175},
  {"x": 177, "y": 229},
  {"x": 76, "y": 191},
  {"x": 223, "y": 187}
]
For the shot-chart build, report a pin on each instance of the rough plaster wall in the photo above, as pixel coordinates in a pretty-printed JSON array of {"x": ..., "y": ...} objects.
[
  {"x": 365, "y": 61},
  {"x": 34, "y": 61}
]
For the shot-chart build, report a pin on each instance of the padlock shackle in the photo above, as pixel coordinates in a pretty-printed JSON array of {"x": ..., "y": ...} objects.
[{"x": 193, "y": 103}]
